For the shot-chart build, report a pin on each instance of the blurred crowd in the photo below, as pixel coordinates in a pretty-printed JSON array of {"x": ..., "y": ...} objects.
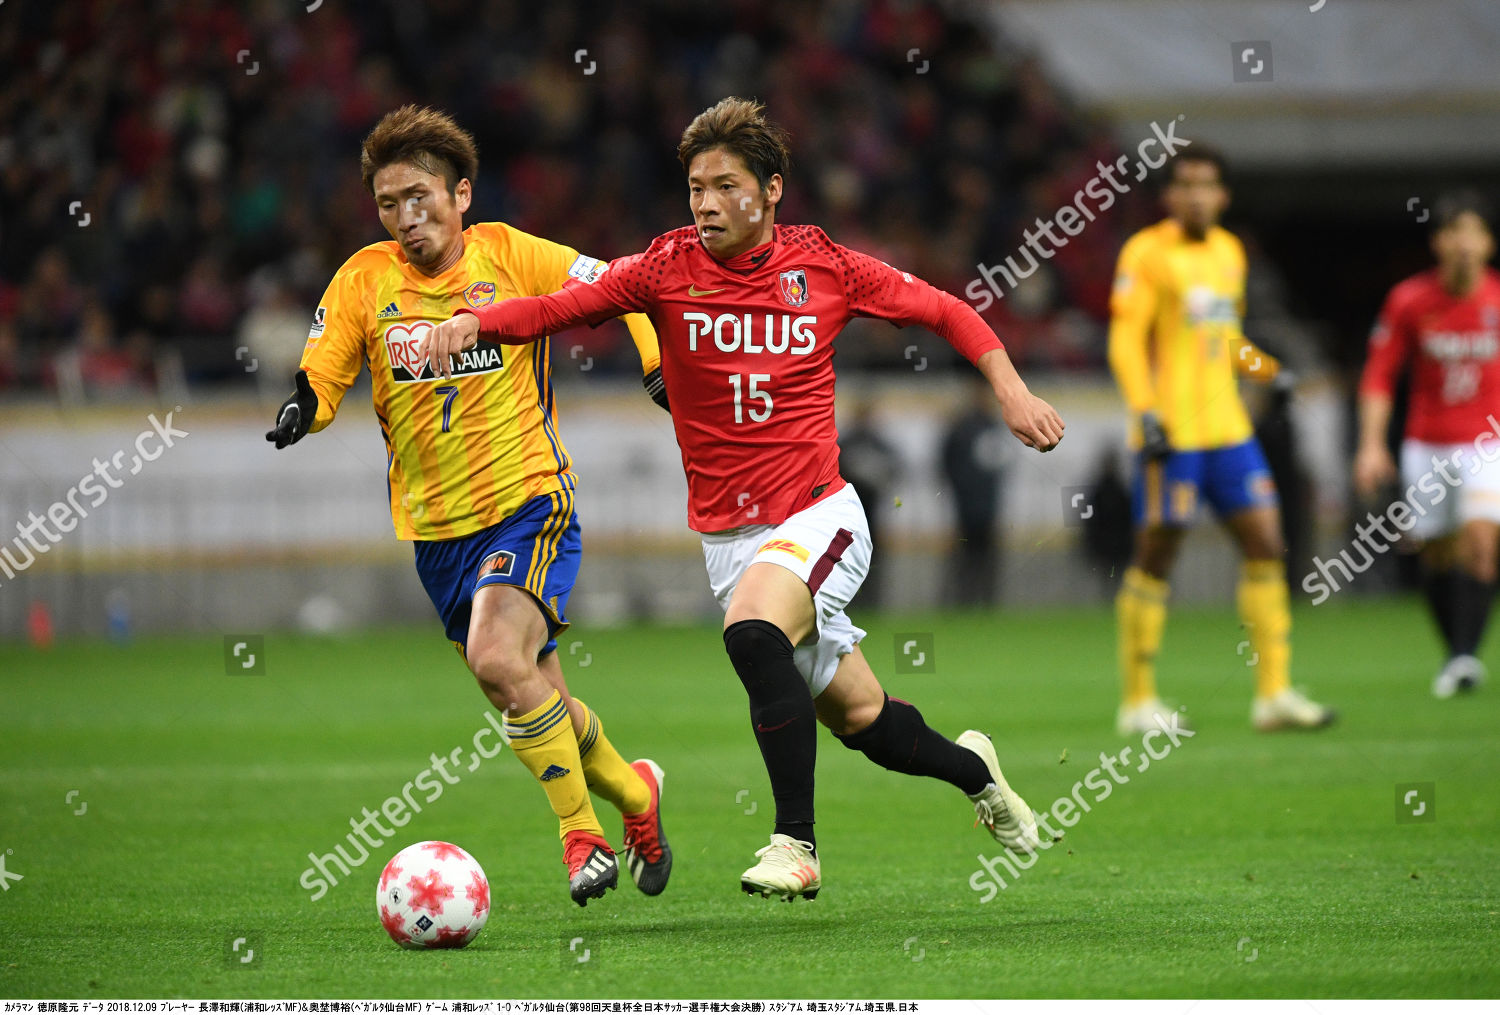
[{"x": 181, "y": 177}]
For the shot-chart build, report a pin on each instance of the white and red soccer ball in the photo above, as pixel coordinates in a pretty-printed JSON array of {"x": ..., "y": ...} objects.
[{"x": 433, "y": 895}]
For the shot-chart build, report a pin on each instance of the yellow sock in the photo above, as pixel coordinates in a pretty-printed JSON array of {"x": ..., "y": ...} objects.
[
  {"x": 606, "y": 772},
  {"x": 1141, "y": 614},
  {"x": 543, "y": 739},
  {"x": 1264, "y": 609}
]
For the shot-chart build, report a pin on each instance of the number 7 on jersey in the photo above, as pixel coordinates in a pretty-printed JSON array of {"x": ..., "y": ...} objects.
[{"x": 450, "y": 392}]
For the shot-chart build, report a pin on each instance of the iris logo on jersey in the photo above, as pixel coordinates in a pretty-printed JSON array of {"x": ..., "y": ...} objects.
[
  {"x": 794, "y": 287},
  {"x": 737, "y": 333},
  {"x": 480, "y": 294},
  {"x": 784, "y": 546},
  {"x": 401, "y": 341},
  {"x": 498, "y": 563}
]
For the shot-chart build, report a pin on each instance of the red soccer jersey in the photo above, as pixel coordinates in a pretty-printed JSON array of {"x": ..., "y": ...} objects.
[
  {"x": 747, "y": 355},
  {"x": 1453, "y": 346}
]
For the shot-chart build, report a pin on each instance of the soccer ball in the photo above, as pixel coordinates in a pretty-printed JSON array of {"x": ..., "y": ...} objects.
[{"x": 433, "y": 895}]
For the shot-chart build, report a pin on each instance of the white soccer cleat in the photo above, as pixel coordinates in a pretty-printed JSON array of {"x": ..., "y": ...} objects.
[
  {"x": 1000, "y": 808},
  {"x": 788, "y": 868},
  {"x": 1290, "y": 710},
  {"x": 1151, "y": 714},
  {"x": 1461, "y": 673}
]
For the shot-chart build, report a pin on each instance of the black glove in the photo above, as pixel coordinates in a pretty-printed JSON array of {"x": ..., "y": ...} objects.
[
  {"x": 1153, "y": 438},
  {"x": 657, "y": 388},
  {"x": 295, "y": 415}
]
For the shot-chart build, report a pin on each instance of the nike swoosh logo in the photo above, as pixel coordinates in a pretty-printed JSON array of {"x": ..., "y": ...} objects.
[
  {"x": 695, "y": 291},
  {"x": 772, "y": 729}
]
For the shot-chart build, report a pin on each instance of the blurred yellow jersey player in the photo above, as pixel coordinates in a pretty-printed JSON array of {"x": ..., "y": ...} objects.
[
  {"x": 1177, "y": 349},
  {"x": 1175, "y": 340},
  {"x": 479, "y": 480}
]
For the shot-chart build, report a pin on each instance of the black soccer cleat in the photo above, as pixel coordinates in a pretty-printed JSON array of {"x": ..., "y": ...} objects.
[
  {"x": 592, "y": 869},
  {"x": 647, "y": 856}
]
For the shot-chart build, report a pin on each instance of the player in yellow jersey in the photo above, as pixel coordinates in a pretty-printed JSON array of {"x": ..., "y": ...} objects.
[
  {"x": 1177, "y": 349},
  {"x": 478, "y": 478}
]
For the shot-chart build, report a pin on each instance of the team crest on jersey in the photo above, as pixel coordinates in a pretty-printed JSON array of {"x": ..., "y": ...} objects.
[
  {"x": 498, "y": 563},
  {"x": 401, "y": 341},
  {"x": 480, "y": 294},
  {"x": 794, "y": 287}
]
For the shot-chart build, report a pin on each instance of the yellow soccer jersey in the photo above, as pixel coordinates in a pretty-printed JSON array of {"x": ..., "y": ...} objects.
[
  {"x": 1176, "y": 344},
  {"x": 464, "y": 453}
]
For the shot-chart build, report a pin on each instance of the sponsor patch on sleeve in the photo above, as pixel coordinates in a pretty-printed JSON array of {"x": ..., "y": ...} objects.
[
  {"x": 587, "y": 269},
  {"x": 319, "y": 319}
]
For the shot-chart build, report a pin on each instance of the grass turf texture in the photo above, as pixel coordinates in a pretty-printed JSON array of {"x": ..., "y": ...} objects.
[{"x": 1240, "y": 865}]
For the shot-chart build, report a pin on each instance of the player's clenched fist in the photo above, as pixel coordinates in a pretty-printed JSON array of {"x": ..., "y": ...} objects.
[
  {"x": 1035, "y": 423},
  {"x": 454, "y": 336}
]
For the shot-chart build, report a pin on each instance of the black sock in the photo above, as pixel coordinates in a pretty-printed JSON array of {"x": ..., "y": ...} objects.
[
  {"x": 1437, "y": 586},
  {"x": 901, "y": 741},
  {"x": 1471, "y": 609},
  {"x": 783, "y": 718}
]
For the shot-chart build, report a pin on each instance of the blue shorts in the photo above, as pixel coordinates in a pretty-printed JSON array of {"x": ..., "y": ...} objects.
[
  {"x": 537, "y": 549},
  {"x": 1230, "y": 479}
]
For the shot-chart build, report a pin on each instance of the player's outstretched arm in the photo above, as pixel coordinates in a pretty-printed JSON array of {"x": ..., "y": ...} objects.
[
  {"x": 515, "y": 322},
  {"x": 1034, "y": 423},
  {"x": 903, "y": 299},
  {"x": 446, "y": 340},
  {"x": 296, "y": 414}
]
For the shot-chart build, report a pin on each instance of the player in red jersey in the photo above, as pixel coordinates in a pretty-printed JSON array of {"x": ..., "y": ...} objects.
[
  {"x": 1442, "y": 327},
  {"x": 747, "y": 312}
]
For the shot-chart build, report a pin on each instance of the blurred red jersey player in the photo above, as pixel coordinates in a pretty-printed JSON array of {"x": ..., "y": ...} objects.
[
  {"x": 747, "y": 312},
  {"x": 1442, "y": 329}
]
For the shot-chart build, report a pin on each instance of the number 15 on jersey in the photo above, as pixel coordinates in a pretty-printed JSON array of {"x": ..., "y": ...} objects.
[{"x": 751, "y": 393}]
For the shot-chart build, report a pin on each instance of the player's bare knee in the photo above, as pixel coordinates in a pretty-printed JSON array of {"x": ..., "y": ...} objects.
[
  {"x": 501, "y": 669},
  {"x": 849, "y": 719}
]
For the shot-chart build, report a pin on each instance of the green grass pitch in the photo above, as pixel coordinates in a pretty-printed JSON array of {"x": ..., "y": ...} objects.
[{"x": 156, "y": 809}]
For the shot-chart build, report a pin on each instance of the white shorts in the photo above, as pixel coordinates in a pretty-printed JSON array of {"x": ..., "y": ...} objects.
[
  {"x": 827, "y": 545},
  {"x": 1441, "y": 505}
]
